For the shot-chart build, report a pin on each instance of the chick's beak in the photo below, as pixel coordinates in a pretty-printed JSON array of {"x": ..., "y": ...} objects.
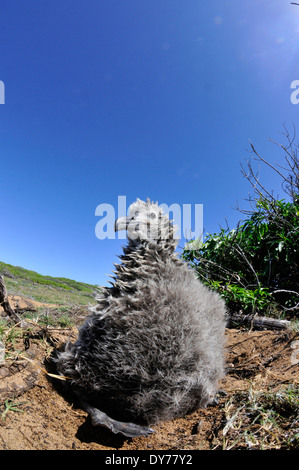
[{"x": 121, "y": 223}]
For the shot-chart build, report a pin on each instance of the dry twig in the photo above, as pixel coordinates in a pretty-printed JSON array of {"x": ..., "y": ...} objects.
[{"x": 4, "y": 302}]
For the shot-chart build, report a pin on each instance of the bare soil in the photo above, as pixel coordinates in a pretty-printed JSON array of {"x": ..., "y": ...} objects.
[
  {"x": 45, "y": 418},
  {"x": 17, "y": 301}
]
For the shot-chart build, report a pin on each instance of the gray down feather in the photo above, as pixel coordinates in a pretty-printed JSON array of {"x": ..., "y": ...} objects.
[{"x": 153, "y": 347}]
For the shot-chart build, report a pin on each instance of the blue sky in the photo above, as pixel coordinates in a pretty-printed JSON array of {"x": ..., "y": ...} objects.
[{"x": 139, "y": 98}]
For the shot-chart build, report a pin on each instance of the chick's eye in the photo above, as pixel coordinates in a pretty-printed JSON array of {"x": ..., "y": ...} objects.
[{"x": 152, "y": 215}]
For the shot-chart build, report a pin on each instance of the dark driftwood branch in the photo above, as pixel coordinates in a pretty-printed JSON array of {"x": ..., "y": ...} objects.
[
  {"x": 259, "y": 322},
  {"x": 4, "y": 302}
]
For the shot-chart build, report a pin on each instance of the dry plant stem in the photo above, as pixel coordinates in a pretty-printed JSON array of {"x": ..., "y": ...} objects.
[
  {"x": 269, "y": 164},
  {"x": 4, "y": 302},
  {"x": 296, "y": 307},
  {"x": 241, "y": 252}
]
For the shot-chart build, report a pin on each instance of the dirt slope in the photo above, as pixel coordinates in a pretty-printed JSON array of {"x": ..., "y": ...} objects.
[{"x": 256, "y": 360}]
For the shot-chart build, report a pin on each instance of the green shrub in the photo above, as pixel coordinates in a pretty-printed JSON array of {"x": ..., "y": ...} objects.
[{"x": 254, "y": 267}]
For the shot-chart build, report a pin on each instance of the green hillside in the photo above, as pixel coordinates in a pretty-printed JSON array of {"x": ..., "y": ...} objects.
[{"x": 47, "y": 289}]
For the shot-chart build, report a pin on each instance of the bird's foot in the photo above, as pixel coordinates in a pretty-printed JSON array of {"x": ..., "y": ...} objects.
[{"x": 99, "y": 418}]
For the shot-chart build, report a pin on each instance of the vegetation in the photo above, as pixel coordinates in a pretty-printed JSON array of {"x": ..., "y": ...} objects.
[
  {"x": 9, "y": 336},
  {"x": 64, "y": 283},
  {"x": 46, "y": 289},
  {"x": 255, "y": 267},
  {"x": 258, "y": 420},
  {"x": 10, "y": 405}
]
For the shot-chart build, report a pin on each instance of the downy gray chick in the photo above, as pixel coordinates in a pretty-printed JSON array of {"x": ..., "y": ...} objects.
[{"x": 153, "y": 347}]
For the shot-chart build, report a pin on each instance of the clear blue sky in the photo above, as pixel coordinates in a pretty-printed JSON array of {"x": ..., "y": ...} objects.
[{"x": 140, "y": 98}]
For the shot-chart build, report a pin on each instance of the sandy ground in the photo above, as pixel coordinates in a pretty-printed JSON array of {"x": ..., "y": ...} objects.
[{"x": 48, "y": 420}]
